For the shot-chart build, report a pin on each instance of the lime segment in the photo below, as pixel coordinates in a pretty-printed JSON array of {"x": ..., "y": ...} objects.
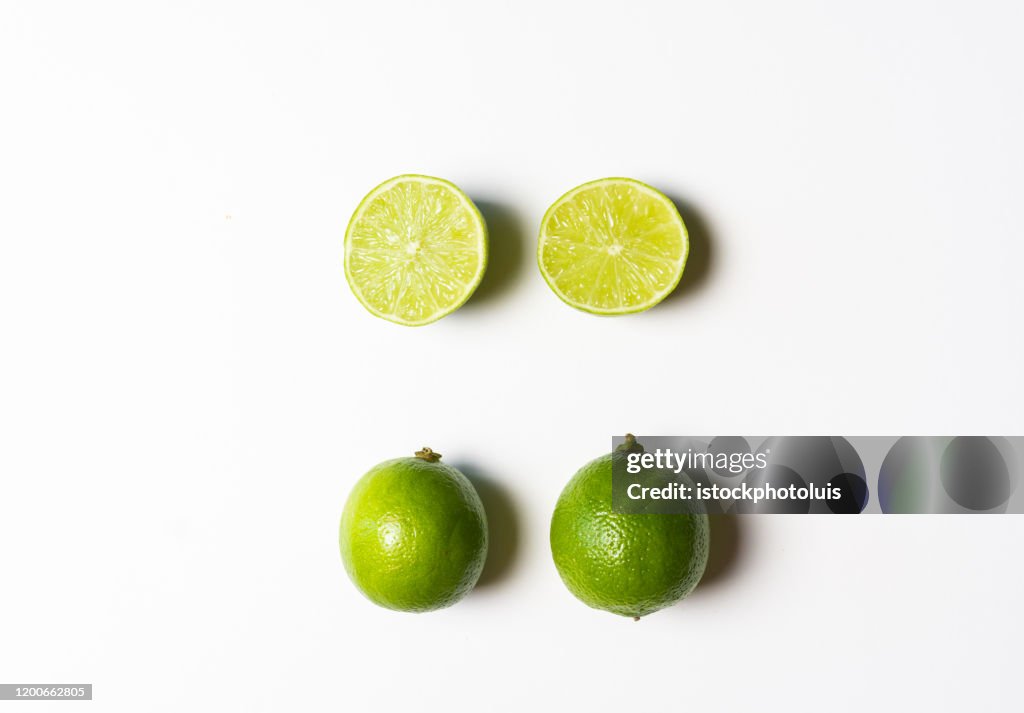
[
  {"x": 415, "y": 249},
  {"x": 612, "y": 246}
]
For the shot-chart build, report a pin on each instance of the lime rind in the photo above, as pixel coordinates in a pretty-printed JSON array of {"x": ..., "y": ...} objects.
[
  {"x": 418, "y": 216},
  {"x": 413, "y": 534},
  {"x": 620, "y": 250},
  {"x": 630, "y": 565}
]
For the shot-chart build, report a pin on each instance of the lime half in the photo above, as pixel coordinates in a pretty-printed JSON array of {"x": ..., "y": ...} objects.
[
  {"x": 415, "y": 250},
  {"x": 612, "y": 246}
]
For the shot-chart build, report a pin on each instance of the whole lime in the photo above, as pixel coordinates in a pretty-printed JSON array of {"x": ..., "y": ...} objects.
[
  {"x": 414, "y": 534},
  {"x": 628, "y": 564}
]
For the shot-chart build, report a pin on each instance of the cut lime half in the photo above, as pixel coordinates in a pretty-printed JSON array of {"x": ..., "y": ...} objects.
[
  {"x": 612, "y": 246},
  {"x": 415, "y": 249}
]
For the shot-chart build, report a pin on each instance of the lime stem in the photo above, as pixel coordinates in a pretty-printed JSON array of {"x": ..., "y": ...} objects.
[
  {"x": 428, "y": 455},
  {"x": 630, "y": 445}
]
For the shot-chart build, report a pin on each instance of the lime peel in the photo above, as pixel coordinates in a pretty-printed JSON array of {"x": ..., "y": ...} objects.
[{"x": 413, "y": 534}]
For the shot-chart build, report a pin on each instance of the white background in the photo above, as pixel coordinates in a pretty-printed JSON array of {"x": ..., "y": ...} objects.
[{"x": 188, "y": 389}]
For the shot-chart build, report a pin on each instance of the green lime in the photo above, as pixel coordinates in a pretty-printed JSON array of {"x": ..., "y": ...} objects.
[
  {"x": 414, "y": 534},
  {"x": 415, "y": 250},
  {"x": 630, "y": 565},
  {"x": 612, "y": 246}
]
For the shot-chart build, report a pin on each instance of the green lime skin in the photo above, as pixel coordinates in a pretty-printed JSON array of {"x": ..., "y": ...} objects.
[
  {"x": 631, "y": 565},
  {"x": 414, "y": 534}
]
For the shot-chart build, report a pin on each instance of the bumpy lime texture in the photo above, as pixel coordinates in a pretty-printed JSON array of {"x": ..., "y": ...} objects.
[
  {"x": 612, "y": 246},
  {"x": 414, "y": 535},
  {"x": 631, "y": 565},
  {"x": 415, "y": 249}
]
